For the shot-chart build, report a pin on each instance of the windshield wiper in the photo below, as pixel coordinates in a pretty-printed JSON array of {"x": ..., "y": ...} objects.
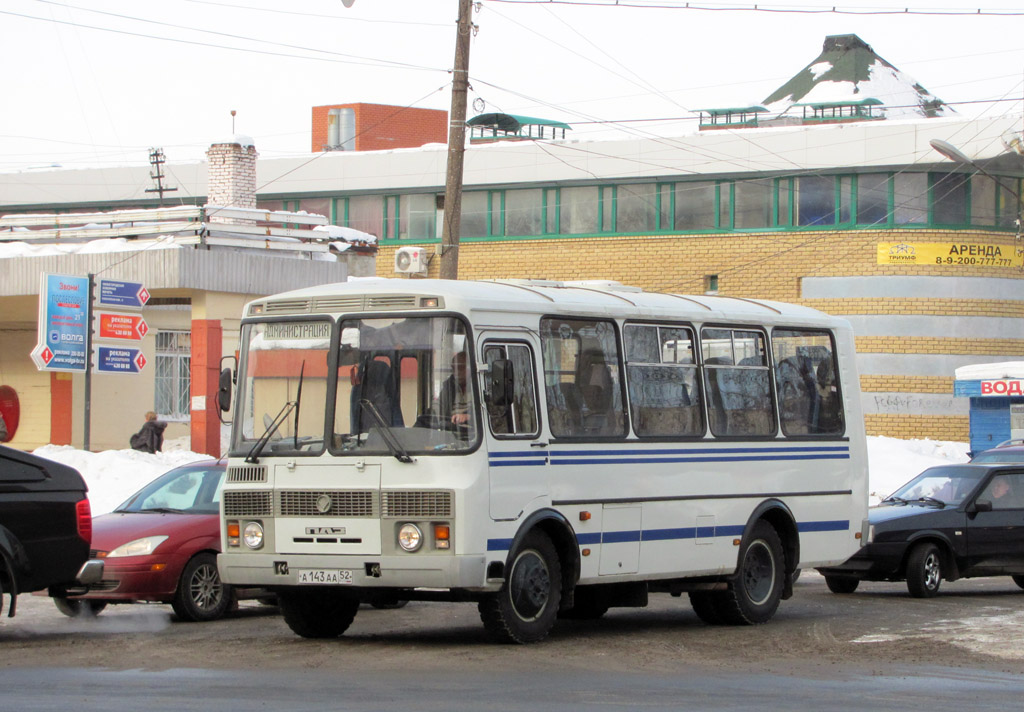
[
  {"x": 894, "y": 498},
  {"x": 931, "y": 500},
  {"x": 253, "y": 457},
  {"x": 390, "y": 440},
  {"x": 163, "y": 510},
  {"x": 298, "y": 399}
]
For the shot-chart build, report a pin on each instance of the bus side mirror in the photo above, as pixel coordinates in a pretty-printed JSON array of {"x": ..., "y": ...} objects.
[
  {"x": 224, "y": 390},
  {"x": 227, "y": 379},
  {"x": 501, "y": 382}
]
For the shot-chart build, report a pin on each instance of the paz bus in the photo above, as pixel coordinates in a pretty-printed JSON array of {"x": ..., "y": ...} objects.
[{"x": 544, "y": 449}]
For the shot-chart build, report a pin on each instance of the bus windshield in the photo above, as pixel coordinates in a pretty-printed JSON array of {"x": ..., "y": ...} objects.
[
  {"x": 283, "y": 378},
  {"x": 404, "y": 383}
]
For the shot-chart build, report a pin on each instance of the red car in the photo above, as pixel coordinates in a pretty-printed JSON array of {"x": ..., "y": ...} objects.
[{"x": 161, "y": 545}]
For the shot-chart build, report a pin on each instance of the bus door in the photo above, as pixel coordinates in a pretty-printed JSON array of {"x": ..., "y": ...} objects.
[{"x": 517, "y": 459}]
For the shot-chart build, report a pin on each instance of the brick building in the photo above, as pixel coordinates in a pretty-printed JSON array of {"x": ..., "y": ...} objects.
[{"x": 376, "y": 127}]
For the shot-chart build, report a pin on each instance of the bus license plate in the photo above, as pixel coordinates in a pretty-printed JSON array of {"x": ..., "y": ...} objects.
[{"x": 324, "y": 576}]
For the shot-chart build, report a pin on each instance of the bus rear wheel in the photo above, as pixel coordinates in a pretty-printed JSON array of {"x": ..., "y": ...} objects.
[
  {"x": 525, "y": 608},
  {"x": 318, "y": 613},
  {"x": 756, "y": 589}
]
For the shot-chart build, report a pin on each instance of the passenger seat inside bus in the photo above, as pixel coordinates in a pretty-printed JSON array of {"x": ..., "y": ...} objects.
[{"x": 565, "y": 409}]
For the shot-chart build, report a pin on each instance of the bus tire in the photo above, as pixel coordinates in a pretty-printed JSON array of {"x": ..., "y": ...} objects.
[
  {"x": 756, "y": 589},
  {"x": 1019, "y": 580},
  {"x": 319, "y": 612},
  {"x": 842, "y": 584},
  {"x": 706, "y": 606},
  {"x": 525, "y": 608}
]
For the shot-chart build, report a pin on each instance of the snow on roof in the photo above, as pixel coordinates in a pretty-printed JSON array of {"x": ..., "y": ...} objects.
[
  {"x": 92, "y": 247},
  {"x": 990, "y": 371}
]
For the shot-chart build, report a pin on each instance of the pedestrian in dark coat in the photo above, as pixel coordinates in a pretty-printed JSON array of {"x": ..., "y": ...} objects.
[{"x": 151, "y": 438}]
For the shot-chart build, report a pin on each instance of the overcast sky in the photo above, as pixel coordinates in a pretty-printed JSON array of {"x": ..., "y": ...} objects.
[{"x": 99, "y": 82}]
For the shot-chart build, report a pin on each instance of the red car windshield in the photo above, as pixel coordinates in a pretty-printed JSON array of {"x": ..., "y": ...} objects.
[{"x": 193, "y": 489}]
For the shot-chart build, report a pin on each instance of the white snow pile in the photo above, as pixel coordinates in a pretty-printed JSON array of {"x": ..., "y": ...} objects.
[{"x": 114, "y": 475}]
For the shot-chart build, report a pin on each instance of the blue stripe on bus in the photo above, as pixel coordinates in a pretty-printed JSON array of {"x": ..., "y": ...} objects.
[
  {"x": 703, "y": 451},
  {"x": 732, "y": 530},
  {"x": 555, "y": 460},
  {"x": 533, "y": 458}
]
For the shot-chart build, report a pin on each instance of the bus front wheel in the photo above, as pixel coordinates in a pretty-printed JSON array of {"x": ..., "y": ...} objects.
[
  {"x": 524, "y": 610},
  {"x": 756, "y": 589},
  {"x": 318, "y": 613}
]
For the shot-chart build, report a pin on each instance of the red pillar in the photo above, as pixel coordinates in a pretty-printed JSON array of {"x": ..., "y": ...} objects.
[
  {"x": 206, "y": 351},
  {"x": 60, "y": 408}
]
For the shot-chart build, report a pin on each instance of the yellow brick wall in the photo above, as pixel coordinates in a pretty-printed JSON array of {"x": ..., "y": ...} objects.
[{"x": 769, "y": 266}]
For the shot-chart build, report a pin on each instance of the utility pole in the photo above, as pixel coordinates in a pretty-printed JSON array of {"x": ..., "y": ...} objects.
[
  {"x": 456, "y": 146},
  {"x": 156, "y": 159}
]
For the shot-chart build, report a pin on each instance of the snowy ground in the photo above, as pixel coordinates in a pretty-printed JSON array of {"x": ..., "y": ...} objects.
[{"x": 113, "y": 475}]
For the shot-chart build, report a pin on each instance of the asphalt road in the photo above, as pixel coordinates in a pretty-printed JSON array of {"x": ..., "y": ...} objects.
[{"x": 877, "y": 649}]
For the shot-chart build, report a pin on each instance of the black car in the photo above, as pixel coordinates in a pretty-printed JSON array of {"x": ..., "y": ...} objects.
[
  {"x": 949, "y": 522},
  {"x": 45, "y": 528}
]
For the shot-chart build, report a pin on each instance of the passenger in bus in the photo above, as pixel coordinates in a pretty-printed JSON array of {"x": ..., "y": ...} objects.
[
  {"x": 454, "y": 398},
  {"x": 373, "y": 381}
]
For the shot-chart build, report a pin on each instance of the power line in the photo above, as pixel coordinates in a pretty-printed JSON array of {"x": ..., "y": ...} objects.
[
  {"x": 724, "y": 7},
  {"x": 364, "y": 61}
]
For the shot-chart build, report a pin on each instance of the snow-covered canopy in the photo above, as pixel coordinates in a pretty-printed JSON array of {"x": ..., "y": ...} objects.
[{"x": 990, "y": 371}]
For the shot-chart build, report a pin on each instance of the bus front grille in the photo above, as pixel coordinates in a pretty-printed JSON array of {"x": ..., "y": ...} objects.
[
  {"x": 248, "y": 504},
  {"x": 416, "y": 503},
  {"x": 322, "y": 503}
]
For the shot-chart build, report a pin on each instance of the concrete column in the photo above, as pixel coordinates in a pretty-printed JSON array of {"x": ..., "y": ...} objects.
[{"x": 205, "y": 371}]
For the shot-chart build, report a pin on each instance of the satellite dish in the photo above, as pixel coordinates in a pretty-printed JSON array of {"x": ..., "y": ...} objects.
[{"x": 479, "y": 105}]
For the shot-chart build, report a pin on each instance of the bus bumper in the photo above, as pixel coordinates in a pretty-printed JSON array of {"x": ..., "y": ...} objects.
[{"x": 269, "y": 570}]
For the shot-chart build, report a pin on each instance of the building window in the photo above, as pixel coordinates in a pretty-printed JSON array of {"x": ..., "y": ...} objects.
[
  {"x": 578, "y": 210},
  {"x": 949, "y": 198},
  {"x": 417, "y": 218},
  {"x": 873, "y": 199},
  {"x": 816, "y": 200},
  {"x": 753, "y": 203},
  {"x": 636, "y": 208},
  {"x": 173, "y": 380},
  {"x": 910, "y": 198},
  {"x": 524, "y": 211}
]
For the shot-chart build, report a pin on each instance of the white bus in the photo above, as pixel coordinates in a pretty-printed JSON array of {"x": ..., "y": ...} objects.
[{"x": 543, "y": 449}]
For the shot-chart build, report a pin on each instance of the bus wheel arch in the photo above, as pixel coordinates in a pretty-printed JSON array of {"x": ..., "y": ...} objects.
[
  {"x": 780, "y": 517},
  {"x": 558, "y": 529}
]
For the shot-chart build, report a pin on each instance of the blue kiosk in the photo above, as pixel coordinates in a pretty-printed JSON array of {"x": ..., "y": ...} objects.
[{"x": 996, "y": 391}]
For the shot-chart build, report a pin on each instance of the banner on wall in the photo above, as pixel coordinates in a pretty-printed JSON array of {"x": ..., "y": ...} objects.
[{"x": 953, "y": 254}]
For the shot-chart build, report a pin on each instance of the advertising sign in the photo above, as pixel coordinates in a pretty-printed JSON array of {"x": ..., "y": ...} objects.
[
  {"x": 115, "y": 359},
  {"x": 63, "y": 305},
  {"x": 121, "y": 327},
  {"x": 948, "y": 254},
  {"x": 123, "y": 295}
]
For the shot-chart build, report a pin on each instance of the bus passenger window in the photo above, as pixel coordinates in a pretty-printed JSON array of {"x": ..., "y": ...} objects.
[
  {"x": 805, "y": 380},
  {"x": 581, "y": 378},
  {"x": 517, "y": 418},
  {"x": 661, "y": 373},
  {"x": 737, "y": 381}
]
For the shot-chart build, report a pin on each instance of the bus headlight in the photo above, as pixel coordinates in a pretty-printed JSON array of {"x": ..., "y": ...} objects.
[
  {"x": 410, "y": 538},
  {"x": 253, "y": 535}
]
